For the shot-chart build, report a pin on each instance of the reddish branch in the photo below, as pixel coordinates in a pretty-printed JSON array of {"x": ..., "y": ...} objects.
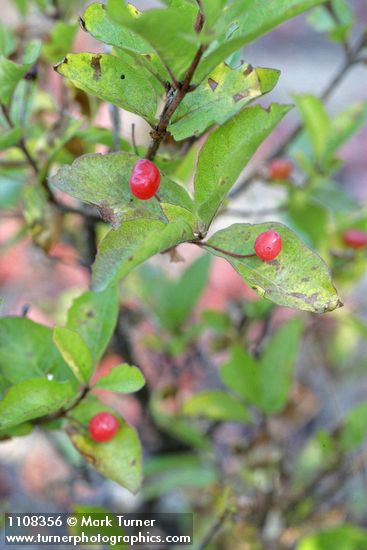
[{"x": 173, "y": 101}]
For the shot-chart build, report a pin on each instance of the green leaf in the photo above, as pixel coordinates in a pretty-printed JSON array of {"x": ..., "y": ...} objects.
[
  {"x": 131, "y": 244},
  {"x": 7, "y": 40},
  {"x": 119, "y": 459},
  {"x": 33, "y": 398},
  {"x": 225, "y": 92},
  {"x": 227, "y": 151},
  {"x": 170, "y": 31},
  {"x": 216, "y": 405},
  {"x": 276, "y": 370},
  {"x": 173, "y": 472},
  {"x": 74, "y": 351},
  {"x": 93, "y": 316},
  {"x": 98, "y": 22},
  {"x": 241, "y": 374},
  {"x": 245, "y": 20},
  {"x": 174, "y": 424},
  {"x": 27, "y": 351},
  {"x": 316, "y": 121},
  {"x": 343, "y": 537},
  {"x": 344, "y": 125},
  {"x": 354, "y": 428},
  {"x": 11, "y": 73},
  {"x": 212, "y": 10},
  {"x": 176, "y": 300},
  {"x": 336, "y": 19},
  {"x": 113, "y": 80},
  {"x": 122, "y": 379},
  {"x": 332, "y": 196},
  {"x": 252, "y": 379},
  {"x": 309, "y": 218},
  {"x": 60, "y": 41},
  {"x": 10, "y": 138},
  {"x": 103, "y": 180},
  {"x": 297, "y": 278}
]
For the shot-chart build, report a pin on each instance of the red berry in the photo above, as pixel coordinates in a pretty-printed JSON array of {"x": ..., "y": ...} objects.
[
  {"x": 103, "y": 426},
  {"x": 144, "y": 180},
  {"x": 268, "y": 245},
  {"x": 280, "y": 169},
  {"x": 355, "y": 238}
]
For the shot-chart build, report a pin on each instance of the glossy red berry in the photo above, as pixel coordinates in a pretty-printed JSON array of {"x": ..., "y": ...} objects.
[
  {"x": 268, "y": 245},
  {"x": 144, "y": 180},
  {"x": 355, "y": 238},
  {"x": 103, "y": 426},
  {"x": 280, "y": 169}
]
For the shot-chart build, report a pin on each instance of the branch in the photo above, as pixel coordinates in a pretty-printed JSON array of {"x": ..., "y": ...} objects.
[
  {"x": 214, "y": 530},
  {"x": 226, "y": 252},
  {"x": 22, "y": 144},
  {"x": 173, "y": 101}
]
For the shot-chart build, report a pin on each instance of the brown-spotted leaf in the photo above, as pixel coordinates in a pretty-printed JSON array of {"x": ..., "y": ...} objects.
[
  {"x": 297, "y": 278},
  {"x": 119, "y": 459}
]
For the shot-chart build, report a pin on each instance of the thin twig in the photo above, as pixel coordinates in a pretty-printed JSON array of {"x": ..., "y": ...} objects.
[
  {"x": 214, "y": 530},
  {"x": 116, "y": 126},
  {"x": 21, "y": 144},
  {"x": 173, "y": 101},
  {"x": 222, "y": 251}
]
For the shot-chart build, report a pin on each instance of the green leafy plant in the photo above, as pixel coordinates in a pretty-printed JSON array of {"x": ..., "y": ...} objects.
[{"x": 178, "y": 67}]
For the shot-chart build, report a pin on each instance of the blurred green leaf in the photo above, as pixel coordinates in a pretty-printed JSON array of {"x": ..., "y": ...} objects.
[
  {"x": 354, "y": 429},
  {"x": 227, "y": 151},
  {"x": 252, "y": 379},
  {"x": 10, "y": 138},
  {"x": 119, "y": 459},
  {"x": 216, "y": 405},
  {"x": 176, "y": 299},
  {"x": 7, "y": 40},
  {"x": 113, "y": 80},
  {"x": 277, "y": 364},
  {"x": 122, "y": 379},
  {"x": 93, "y": 316},
  {"x": 316, "y": 121},
  {"x": 11, "y": 184},
  {"x": 242, "y": 375},
  {"x": 225, "y": 92},
  {"x": 308, "y": 218},
  {"x": 11, "y": 73},
  {"x": 344, "y": 125},
  {"x": 343, "y": 537},
  {"x": 332, "y": 196},
  {"x": 335, "y": 18},
  {"x": 166, "y": 473},
  {"x": 297, "y": 278},
  {"x": 34, "y": 398},
  {"x": 60, "y": 41},
  {"x": 174, "y": 424},
  {"x": 27, "y": 351},
  {"x": 74, "y": 351},
  {"x": 131, "y": 244},
  {"x": 212, "y": 10}
]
